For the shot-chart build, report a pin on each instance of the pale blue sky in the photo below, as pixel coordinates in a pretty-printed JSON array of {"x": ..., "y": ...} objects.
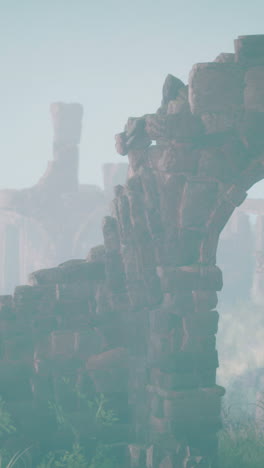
[{"x": 111, "y": 56}]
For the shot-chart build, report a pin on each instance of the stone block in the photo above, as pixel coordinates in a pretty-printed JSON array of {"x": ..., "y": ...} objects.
[
  {"x": 135, "y": 125},
  {"x": 180, "y": 103},
  {"x": 202, "y": 324},
  {"x": 124, "y": 221},
  {"x": 89, "y": 342},
  {"x": 198, "y": 201},
  {"x": 69, "y": 272},
  {"x": 170, "y": 197},
  {"x": 163, "y": 321},
  {"x": 252, "y": 174},
  {"x": 205, "y": 301},
  {"x": 65, "y": 365},
  {"x": 179, "y": 158},
  {"x": 15, "y": 380},
  {"x": 136, "y": 135},
  {"x": 34, "y": 294},
  {"x": 111, "y": 234},
  {"x": 156, "y": 406},
  {"x": 175, "y": 380},
  {"x": 115, "y": 274},
  {"x": 185, "y": 361},
  {"x": 179, "y": 302},
  {"x": 109, "y": 359},
  {"x": 18, "y": 348},
  {"x": 211, "y": 165},
  {"x": 44, "y": 325},
  {"x": 155, "y": 126},
  {"x": 65, "y": 311},
  {"x": 183, "y": 127},
  {"x": 215, "y": 87},
  {"x": 171, "y": 88},
  {"x": 121, "y": 146},
  {"x": 249, "y": 50},
  {"x": 189, "y": 407},
  {"x": 167, "y": 462},
  {"x": 251, "y": 132},
  {"x": 110, "y": 380},
  {"x": 191, "y": 277},
  {"x": 79, "y": 291},
  {"x": 225, "y": 57},
  {"x": 137, "y": 158},
  {"x": 137, "y": 456},
  {"x": 153, "y": 454},
  {"x": 254, "y": 89},
  {"x": 164, "y": 344},
  {"x": 218, "y": 122},
  {"x": 63, "y": 342},
  {"x": 235, "y": 195},
  {"x": 224, "y": 162}
]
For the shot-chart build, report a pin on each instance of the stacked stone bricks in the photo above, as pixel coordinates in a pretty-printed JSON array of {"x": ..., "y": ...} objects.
[{"x": 138, "y": 316}]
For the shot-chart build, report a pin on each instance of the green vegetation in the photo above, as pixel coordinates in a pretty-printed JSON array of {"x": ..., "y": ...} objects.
[
  {"x": 240, "y": 345},
  {"x": 241, "y": 442},
  {"x": 6, "y": 424},
  {"x": 240, "y": 340},
  {"x": 76, "y": 457}
]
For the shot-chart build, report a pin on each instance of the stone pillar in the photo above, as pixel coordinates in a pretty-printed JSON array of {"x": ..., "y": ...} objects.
[{"x": 62, "y": 172}]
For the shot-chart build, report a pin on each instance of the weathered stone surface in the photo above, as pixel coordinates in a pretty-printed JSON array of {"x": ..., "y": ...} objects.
[
  {"x": 251, "y": 132},
  {"x": 136, "y": 320},
  {"x": 108, "y": 359},
  {"x": 121, "y": 145},
  {"x": 196, "y": 205},
  {"x": 249, "y": 50},
  {"x": 180, "y": 103},
  {"x": 254, "y": 92},
  {"x": 155, "y": 126},
  {"x": 215, "y": 87},
  {"x": 183, "y": 127},
  {"x": 217, "y": 122},
  {"x": 190, "y": 277},
  {"x": 171, "y": 89},
  {"x": 181, "y": 158},
  {"x": 225, "y": 57},
  {"x": 72, "y": 272}
]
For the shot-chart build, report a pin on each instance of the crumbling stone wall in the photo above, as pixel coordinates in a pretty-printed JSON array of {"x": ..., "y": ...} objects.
[
  {"x": 149, "y": 294},
  {"x": 31, "y": 219}
]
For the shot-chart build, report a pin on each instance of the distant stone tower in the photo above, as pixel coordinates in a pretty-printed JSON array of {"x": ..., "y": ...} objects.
[{"x": 58, "y": 218}]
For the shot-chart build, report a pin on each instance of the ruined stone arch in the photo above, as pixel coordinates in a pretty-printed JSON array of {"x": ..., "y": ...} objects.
[
  {"x": 208, "y": 153},
  {"x": 152, "y": 288}
]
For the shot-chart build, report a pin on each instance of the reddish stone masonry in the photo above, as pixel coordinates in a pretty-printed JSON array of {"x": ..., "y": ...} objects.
[{"x": 138, "y": 316}]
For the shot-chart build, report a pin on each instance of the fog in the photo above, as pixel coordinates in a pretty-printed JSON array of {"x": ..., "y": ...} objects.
[
  {"x": 110, "y": 56},
  {"x": 102, "y": 62}
]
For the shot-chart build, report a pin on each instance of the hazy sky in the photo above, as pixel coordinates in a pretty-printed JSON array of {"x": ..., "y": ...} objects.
[{"x": 112, "y": 56}]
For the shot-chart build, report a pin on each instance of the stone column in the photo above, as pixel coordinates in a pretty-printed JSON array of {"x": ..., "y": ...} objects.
[{"x": 62, "y": 173}]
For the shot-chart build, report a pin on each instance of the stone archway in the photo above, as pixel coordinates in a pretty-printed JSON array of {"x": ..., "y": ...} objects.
[
  {"x": 180, "y": 194},
  {"x": 152, "y": 288}
]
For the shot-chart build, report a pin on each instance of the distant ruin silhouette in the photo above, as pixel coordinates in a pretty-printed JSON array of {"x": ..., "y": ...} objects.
[
  {"x": 137, "y": 319},
  {"x": 31, "y": 220}
]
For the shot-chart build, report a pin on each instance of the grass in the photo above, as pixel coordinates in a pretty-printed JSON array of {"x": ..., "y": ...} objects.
[{"x": 241, "y": 441}]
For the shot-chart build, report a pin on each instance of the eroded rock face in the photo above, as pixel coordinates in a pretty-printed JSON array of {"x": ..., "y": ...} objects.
[{"x": 148, "y": 297}]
